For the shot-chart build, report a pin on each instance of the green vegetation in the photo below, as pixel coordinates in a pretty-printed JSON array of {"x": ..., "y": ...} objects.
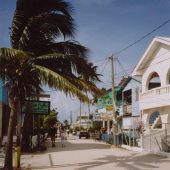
[
  {"x": 38, "y": 58},
  {"x": 49, "y": 119},
  {"x": 97, "y": 125}
]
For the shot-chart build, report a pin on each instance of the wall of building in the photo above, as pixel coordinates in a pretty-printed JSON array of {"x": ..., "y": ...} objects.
[
  {"x": 3, "y": 102},
  {"x": 135, "y": 87},
  {"x": 164, "y": 113},
  {"x": 160, "y": 64}
]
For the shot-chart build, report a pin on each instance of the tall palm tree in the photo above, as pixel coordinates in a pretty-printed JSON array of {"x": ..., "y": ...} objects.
[
  {"x": 38, "y": 26},
  {"x": 38, "y": 56},
  {"x": 23, "y": 77}
]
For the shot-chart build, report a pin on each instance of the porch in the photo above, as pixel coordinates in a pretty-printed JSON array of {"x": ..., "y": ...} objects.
[{"x": 154, "y": 98}]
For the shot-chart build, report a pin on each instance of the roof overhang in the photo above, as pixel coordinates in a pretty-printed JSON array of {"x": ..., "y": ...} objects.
[{"x": 156, "y": 42}]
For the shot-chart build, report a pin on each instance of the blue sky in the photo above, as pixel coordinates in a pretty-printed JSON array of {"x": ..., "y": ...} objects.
[{"x": 105, "y": 27}]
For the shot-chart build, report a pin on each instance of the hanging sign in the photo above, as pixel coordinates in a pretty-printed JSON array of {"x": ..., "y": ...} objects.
[{"x": 36, "y": 107}]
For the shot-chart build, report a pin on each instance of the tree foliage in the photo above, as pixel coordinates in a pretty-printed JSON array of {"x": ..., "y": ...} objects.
[
  {"x": 97, "y": 125},
  {"x": 37, "y": 57},
  {"x": 50, "y": 119}
]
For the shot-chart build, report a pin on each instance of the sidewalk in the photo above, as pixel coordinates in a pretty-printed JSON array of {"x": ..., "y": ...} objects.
[
  {"x": 90, "y": 154},
  {"x": 54, "y": 156},
  {"x": 24, "y": 156},
  {"x": 43, "y": 159}
]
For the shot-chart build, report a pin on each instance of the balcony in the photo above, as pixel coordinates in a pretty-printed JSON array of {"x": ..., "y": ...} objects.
[
  {"x": 157, "y": 97},
  {"x": 127, "y": 109}
]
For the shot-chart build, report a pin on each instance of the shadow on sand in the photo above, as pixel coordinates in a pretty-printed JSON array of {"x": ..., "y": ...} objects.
[{"x": 134, "y": 161}]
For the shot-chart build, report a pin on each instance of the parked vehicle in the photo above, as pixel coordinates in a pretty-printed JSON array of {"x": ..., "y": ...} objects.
[{"x": 84, "y": 134}]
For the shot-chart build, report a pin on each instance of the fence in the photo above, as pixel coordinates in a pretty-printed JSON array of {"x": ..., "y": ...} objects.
[{"x": 157, "y": 139}]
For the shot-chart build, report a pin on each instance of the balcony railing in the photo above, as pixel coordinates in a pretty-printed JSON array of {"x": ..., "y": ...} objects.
[
  {"x": 127, "y": 109},
  {"x": 156, "y": 97},
  {"x": 156, "y": 91}
]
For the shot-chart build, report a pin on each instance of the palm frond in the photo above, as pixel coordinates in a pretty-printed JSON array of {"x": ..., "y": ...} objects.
[
  {"x": 57, "y": 81},
  {"x": 85, "y": 85},
  {"x": 8, "y": 53},
  {"x": 50, "y": 56},
  {"x": 50, "y": 17},
  {"x": 70, "y": 48}
]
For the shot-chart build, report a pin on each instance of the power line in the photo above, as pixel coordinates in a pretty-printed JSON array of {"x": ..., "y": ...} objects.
[
  {"x": 143, "y": 37},
  {"x": 104, "y": 66},
  {"x": 140, "y": 39},
  {"x": 126, "y": 74}
]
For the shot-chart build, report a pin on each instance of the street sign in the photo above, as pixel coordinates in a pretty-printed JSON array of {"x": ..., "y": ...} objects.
[{"x": 36, "y": 107}]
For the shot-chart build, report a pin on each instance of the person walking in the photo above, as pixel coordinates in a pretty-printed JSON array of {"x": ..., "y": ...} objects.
[
  {"x": 111, "y": 136},
  {"x": 52, "y": 132},
  {"x": 63, "y": 137}
]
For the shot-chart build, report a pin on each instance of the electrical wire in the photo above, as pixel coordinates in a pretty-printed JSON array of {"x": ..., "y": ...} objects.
[
  {"x": 143, "y": 37},
  {"x": 104, "y": 66},
  {"x": 138, "y": 40}
]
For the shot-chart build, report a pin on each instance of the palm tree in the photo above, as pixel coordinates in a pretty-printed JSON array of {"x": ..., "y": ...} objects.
[
  {"x": 38, "y": 26},
  {"x": 38, "y": 57},
  {"x": 23, "y": 77}
]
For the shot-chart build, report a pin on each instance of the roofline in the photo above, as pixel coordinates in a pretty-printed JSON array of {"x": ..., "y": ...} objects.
[{"x": 162, "y": 40}]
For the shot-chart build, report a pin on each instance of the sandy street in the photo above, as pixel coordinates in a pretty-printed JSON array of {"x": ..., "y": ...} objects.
[{"x": 84, "y": 154}]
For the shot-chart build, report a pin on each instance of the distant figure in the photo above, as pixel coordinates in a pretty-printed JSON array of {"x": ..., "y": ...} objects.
[
  {"x": 52, "y": 132},
  {"x": 111, "y": 136},
  {"x": 63, "y": 137}
]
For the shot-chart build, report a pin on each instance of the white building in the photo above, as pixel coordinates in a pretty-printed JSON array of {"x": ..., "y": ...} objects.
[
  {"x": 154, "y": 103},
  {"x": 83, "y": 121}
]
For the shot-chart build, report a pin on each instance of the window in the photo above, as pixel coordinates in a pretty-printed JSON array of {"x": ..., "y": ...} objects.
[{"x": 154, "y": 81}]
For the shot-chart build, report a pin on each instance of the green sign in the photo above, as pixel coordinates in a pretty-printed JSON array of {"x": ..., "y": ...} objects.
[
  {"x": 104, "y": 101},
  {"x": 36, "y": 107}
]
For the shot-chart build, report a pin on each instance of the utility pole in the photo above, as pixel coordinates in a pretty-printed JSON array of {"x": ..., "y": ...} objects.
[{"x": 113, "y": 100}]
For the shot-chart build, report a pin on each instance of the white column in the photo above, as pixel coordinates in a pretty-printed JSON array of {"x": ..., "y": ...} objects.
[
  {"x": 142, "y": 135},
  {"x": 103, "y": 123},
  {"x": 108, "y": 126}
]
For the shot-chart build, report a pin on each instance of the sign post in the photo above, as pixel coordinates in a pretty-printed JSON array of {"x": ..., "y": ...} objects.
[{"x": 38, "y": 108}]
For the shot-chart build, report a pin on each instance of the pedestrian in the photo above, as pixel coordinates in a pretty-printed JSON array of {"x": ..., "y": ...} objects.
[
  {"x": 63, "y": 137},
  {"x": 52, "y": 132},
  {"x": 111, "y": 136}
]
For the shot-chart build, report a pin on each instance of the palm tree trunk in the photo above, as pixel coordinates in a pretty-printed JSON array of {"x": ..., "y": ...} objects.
[
  {"x": 9, "y": 144},
  {"x": 26, "y": 132},
  {"x": 8, "y": 155}
]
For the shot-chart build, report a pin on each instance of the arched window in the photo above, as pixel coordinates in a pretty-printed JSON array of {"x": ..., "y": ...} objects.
[
  {"x": 168, "y": 77},
  {"x": 155, "y": 120},
  {"x": 154, "y": 81}
]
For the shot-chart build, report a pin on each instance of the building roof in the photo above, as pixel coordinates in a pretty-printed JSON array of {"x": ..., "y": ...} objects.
[{"x": 155, "y": 43}]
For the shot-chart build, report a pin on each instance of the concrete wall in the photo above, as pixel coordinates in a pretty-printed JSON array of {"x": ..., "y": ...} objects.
[
  {"x": 134, "y": 86},
  {"x": 3, "y": 100},
  {"x": 160, "y": 64},
  {"x": 0, "y": 122}
]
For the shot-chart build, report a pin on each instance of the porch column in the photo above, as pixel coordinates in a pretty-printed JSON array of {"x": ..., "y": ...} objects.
[
  {"x": 103, "y": 123},
  {"x": 108, "y": 126},
  {"x": 142, "y": 135}
]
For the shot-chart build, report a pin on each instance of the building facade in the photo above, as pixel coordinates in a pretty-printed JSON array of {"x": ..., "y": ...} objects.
[
  {"x": 154, "y": 68},
  {"x": 130, "y": 102},
  {"x": 3, "y": 109},
  {"x": 129, "y": 110}
]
